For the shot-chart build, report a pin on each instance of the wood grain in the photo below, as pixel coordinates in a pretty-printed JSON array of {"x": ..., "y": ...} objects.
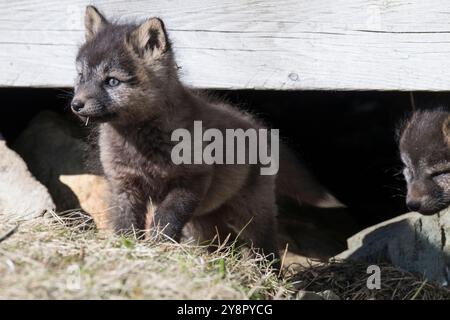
[{"x": 277, "y": 44}]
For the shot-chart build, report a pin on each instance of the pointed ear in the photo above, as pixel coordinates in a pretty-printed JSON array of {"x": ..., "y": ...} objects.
[
  {"x": 93, "y": 22},
  {"x": 149, "y": 40}
]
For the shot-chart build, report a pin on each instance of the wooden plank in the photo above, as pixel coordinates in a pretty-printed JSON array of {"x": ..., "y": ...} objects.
[{"x": 276, "y": 44}]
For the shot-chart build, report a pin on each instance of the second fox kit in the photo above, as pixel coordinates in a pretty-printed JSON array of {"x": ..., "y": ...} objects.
[
  {"x": 128, "y": 83},
  {"x": 425, "y": 152}
]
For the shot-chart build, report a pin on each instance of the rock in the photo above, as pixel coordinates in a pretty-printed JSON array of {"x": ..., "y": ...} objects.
[
  {"x": 91, "y": 191},
  {"x": 412, "y": 242},
  {"x": 57, "y": 153},
  {"x": 297, "y": 260},
  {"x": 329, "y": 295},
  {"x": 21, "y": 195},
  {"x": 308, "y": 295}
]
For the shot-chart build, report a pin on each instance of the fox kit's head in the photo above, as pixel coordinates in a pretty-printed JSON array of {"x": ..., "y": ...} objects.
[
  {"x": 123, "y": 69},
  {"x": 425, "y": 152}
]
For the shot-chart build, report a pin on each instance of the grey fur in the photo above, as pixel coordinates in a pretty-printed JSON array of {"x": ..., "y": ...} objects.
[{"x": 425, "y": 152}]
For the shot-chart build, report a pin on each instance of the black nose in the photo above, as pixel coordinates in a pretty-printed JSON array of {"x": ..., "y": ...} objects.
[
  {"x": 413, "y": 205},
  {"x": 77, "y": 105}
]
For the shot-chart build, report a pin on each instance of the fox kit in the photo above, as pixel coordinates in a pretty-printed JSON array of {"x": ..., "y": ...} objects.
[
  {"x": 425, "y": 152},
  {"x": 128, "y": 83}
]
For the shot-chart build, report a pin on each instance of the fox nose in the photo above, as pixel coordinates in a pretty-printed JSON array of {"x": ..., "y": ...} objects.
[
  {"x": 413, "y": 205},
  {"x": 77, "y": 105}
]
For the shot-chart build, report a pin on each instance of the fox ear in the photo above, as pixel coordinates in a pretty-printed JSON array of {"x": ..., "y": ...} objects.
[
  {"x": 93, "y": 22},
  {"x": 149, "y": 40}
]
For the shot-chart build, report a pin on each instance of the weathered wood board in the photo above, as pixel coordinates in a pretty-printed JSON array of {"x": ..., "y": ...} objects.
[{"x": 276, "y": 44}]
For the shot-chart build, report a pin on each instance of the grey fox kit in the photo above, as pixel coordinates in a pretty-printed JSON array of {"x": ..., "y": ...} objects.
[
  {"x": 425, "y": 152},
  {"x": 128, "y": 83}
]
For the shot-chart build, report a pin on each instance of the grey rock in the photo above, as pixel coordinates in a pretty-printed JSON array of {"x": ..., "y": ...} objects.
[
  {"x": 308, "y": 295},
  {"x": 329, "y": 295},
  {"x": 412, "y": 242},
  {"x": 21, "y": 195}
]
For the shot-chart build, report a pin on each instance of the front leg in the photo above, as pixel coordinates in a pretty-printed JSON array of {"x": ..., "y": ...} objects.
[
  {"x": 128, "y": 212},
  {"x": 174, "y": 212}
]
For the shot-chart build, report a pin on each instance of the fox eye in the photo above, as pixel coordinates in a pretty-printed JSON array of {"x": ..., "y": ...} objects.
[{"x": 112, "y": 82}]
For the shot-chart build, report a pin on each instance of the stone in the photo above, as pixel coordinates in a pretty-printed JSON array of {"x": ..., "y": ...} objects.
[
  {"x": 308, "y": 295},
  {"x": 91, "y": 191},
  {"x": 412, "y": 242},
  {"x": 58, "y": 154},
  {"x": 329, "y": 295},
  {"x": 297, "y": 260},
  {"x": 21, "y": 195}
]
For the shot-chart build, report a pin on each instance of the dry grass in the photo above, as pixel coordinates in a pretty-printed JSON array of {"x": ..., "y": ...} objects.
[
  {"x": 348, "y": 279},
  {"x": 66, "y": 258}
]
